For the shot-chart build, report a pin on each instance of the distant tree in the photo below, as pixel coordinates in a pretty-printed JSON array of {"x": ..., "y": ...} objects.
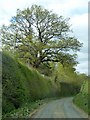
[{"x": 39, "y": 36}]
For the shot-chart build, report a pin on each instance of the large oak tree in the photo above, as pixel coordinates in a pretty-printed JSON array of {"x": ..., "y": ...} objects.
[{"x": 40, "y": 36}]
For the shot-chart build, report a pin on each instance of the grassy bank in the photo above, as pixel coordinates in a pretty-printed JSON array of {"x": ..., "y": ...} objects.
[
  {"x": 82, "y": 99},
  {"x": 25, "y": 111},
  {"x": 25, "y": 89},
  {"x": 22, "y": 85},
  {"x": 28, "y": 109}
]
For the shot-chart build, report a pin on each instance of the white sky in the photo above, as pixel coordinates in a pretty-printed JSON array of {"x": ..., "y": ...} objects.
[{"x": 76, "y": 10}]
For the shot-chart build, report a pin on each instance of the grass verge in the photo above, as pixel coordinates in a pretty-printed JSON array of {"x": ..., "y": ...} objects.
[{"x": 27, "y": 109}]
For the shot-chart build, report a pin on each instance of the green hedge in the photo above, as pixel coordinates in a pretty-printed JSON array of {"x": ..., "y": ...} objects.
[
  {"x": 68, "y": 89},
  {"x": 21, "y": 84}
]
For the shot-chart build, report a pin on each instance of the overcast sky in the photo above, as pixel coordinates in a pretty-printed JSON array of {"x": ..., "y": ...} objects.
[{"x": 76, "y": 10}]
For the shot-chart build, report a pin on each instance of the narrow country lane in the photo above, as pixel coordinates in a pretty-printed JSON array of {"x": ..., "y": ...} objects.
[{"x": 63, "y": 108}]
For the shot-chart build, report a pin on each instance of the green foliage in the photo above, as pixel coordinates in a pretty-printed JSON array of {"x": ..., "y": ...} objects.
[
  {"x": 82, "y": 102},
  {"x": 7, "y": 105},
  {"x": 68, "y": 89},
  {"x": 83, "y": 98},
  {"x": 68, "y": 74},
  {"x": 24, "y": 111},
  {"x": 38, "y": 36},
  {"x": 13, "y": 90},
  {"x": 25, "y": 85},
  {"x": 70, "y": 82},
  {"x": 21, "y": 84}
]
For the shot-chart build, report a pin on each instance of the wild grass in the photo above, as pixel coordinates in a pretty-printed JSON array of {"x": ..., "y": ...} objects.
[{"x": 82, "y": 99}]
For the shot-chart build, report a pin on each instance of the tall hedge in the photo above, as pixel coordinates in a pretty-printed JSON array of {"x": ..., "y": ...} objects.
[{"x": 21, "y": 84}]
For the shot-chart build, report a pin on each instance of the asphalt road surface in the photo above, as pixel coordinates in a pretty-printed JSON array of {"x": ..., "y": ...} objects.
[{"x": 63, "y": 108}]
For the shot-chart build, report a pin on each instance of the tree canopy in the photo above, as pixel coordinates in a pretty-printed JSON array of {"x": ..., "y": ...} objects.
[{"x": 39, "y": 37}]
